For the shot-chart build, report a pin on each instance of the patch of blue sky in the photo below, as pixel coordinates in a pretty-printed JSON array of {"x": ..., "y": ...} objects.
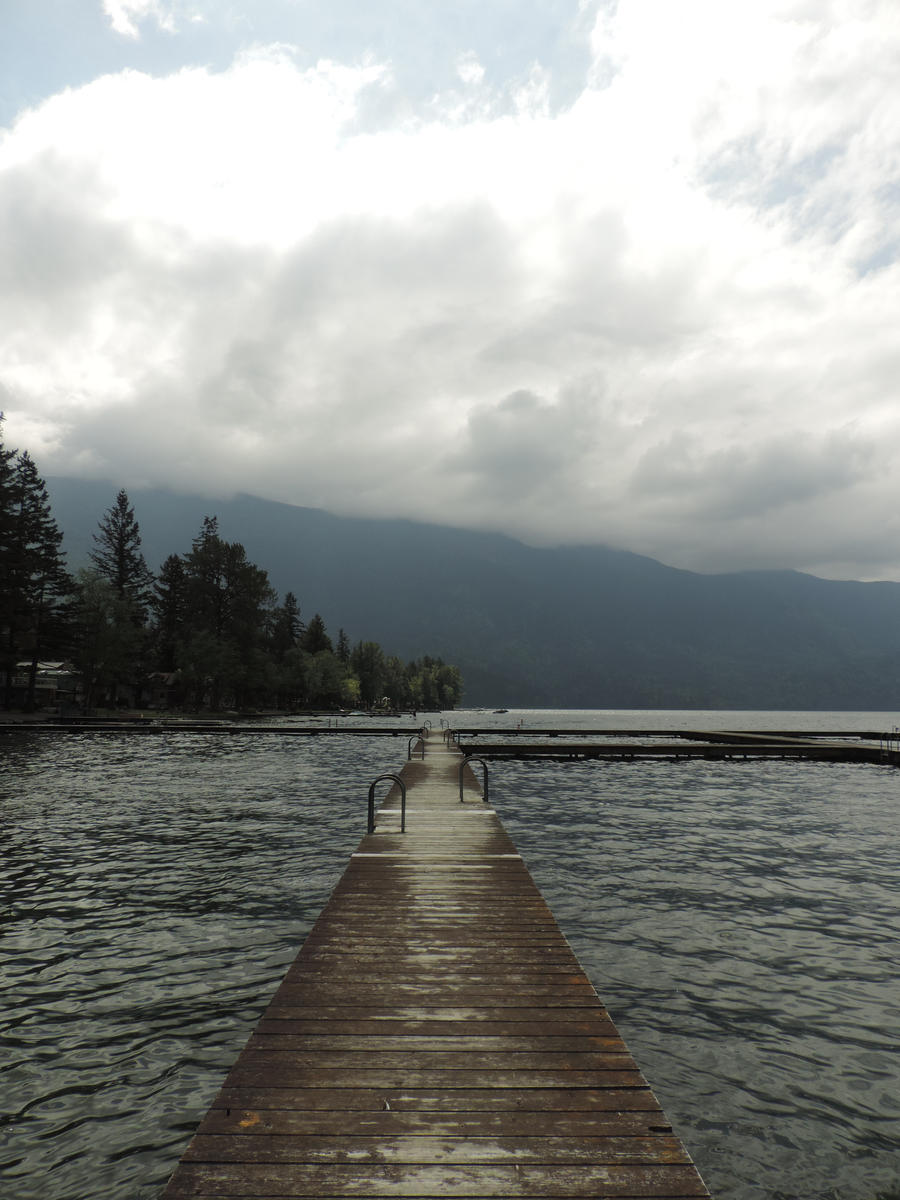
[{"x": 50, "y": 45}]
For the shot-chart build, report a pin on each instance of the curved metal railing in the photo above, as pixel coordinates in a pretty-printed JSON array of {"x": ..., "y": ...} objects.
[
  {"x": 396, "y": 779},
  {"x": 462, "y": 766},
  {"x": 409, "y": 744}
]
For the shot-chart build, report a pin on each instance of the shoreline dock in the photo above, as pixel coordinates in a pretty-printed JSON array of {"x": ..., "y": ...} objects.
[{"x": 435, "y": 1036}]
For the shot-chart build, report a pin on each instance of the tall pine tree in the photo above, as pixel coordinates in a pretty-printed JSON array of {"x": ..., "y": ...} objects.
[
  {"x": 171, "y": 611},
  {"x": 286, "y": 627},
  {"x": 7, "y": 590},
  {"x": 36, "y": 584},
  {"x": 229, "y": 606},
  {"x": 315, "y": 637},
  {"x": 117, "y": 557},
  {"x": 108, "y": 644},
  {"x": 343, "y": 647}
]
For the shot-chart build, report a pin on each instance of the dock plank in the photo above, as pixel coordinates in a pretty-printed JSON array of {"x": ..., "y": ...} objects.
[
  {"x": 621, "y": 1121},
  {"x": 380, "y": 1148},
  {"x": 543, "y": 1100},
  {"x": 266, "y": 1180}
]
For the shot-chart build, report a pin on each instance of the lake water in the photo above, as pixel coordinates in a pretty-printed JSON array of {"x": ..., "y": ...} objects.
[{"x": 741, "y": 920}]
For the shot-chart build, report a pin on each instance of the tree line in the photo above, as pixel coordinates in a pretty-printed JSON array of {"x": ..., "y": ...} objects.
[{"x": 208, "y": 631}]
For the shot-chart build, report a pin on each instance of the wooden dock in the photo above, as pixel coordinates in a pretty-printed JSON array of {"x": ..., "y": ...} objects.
[
  {"x": 435, "y": 1036},
  {"x": 855, "y": 747}
]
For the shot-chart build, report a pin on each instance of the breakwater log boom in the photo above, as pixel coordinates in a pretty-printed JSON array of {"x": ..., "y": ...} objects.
[
  {"x": 859, "y": 745},
  {"x": 856, "y": 747},
  {"x": 862, "y": 746}
]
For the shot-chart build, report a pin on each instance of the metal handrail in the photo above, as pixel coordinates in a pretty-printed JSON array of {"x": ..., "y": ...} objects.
[
  {"x": 402, "y": 785},
  {"x": 410, "y": 742},
  {"x": 462, "y": 766},
  {"x": 889, "y": 743}
]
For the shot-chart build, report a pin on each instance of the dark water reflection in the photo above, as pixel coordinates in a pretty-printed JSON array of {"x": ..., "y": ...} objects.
[{"x": 740, "y": 920}]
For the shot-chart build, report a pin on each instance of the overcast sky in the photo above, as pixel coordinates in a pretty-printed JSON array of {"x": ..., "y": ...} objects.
[{"x": 574, "y": 270}]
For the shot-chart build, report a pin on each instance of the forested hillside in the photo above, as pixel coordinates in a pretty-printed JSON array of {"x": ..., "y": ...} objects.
[
  {"x": 565, "y": 626},
  {"x": 207, "y": 630}
]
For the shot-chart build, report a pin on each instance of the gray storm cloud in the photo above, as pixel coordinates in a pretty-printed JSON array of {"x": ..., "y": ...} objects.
[{"x": 662, "y": 319}]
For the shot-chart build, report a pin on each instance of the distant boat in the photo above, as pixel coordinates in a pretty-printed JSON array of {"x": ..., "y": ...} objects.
[{"x": 501, "y": 710}]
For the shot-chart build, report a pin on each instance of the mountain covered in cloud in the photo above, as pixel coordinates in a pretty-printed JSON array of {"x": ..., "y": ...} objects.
[{"x": 566, "y": 626}]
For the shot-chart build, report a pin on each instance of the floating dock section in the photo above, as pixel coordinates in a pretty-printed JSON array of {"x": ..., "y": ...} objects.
[{"x": 435, "y": 1036}]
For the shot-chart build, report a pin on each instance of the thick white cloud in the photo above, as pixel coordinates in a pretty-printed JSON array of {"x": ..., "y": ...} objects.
[
  {"x": 126, "y": 16},
  {"x": 661, "y": 317}
]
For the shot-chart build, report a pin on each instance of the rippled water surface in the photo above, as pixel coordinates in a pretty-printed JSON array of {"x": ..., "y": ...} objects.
[
  {"x": 155, "y": 891},
  {"x": 741, "y": 920}
]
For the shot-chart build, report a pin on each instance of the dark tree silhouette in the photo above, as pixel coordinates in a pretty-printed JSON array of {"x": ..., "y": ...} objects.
[
  {"x": 36, "y": 584},
  {"x": 286, "y": 627},
  {"x": 170, "y": 609},
  {"x": 118, "y": 558},
  {"x": 315, "y": 637}
]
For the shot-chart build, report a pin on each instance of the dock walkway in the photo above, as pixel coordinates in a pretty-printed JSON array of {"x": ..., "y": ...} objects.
[{"x": 435, "y": 1036}]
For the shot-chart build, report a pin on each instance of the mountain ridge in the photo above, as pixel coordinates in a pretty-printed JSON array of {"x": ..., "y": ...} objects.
[{"x": 564, "y": 626}]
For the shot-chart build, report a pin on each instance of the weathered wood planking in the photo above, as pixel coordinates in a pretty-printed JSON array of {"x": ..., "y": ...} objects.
[{"x": 435, "y": 1037}]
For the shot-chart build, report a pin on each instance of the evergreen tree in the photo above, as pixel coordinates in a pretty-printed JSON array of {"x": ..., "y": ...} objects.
[
  {"x": 7, "y": 588},
  {"x": 229, "y": 604},
  {"x": 326, "y": 679},
  {"x": 434, "y": 684},
  {"x": 170, "y": 609},
  {"x": 396, "y": 683},
  {"x": 449, "y": 685},
  {"x": 286, "y": 627},
  {"x": 343, "y": 647},
  {"x": 315, "y": 637},
  {"x": 36, "y": 586},
  {"x": 118, "y": 558},
  {"x": 294, "y": 679},
  {"x": 108, "y": 643},
  {"x": 206, "y": 583},
  {"x": 367, "y": 661}
]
